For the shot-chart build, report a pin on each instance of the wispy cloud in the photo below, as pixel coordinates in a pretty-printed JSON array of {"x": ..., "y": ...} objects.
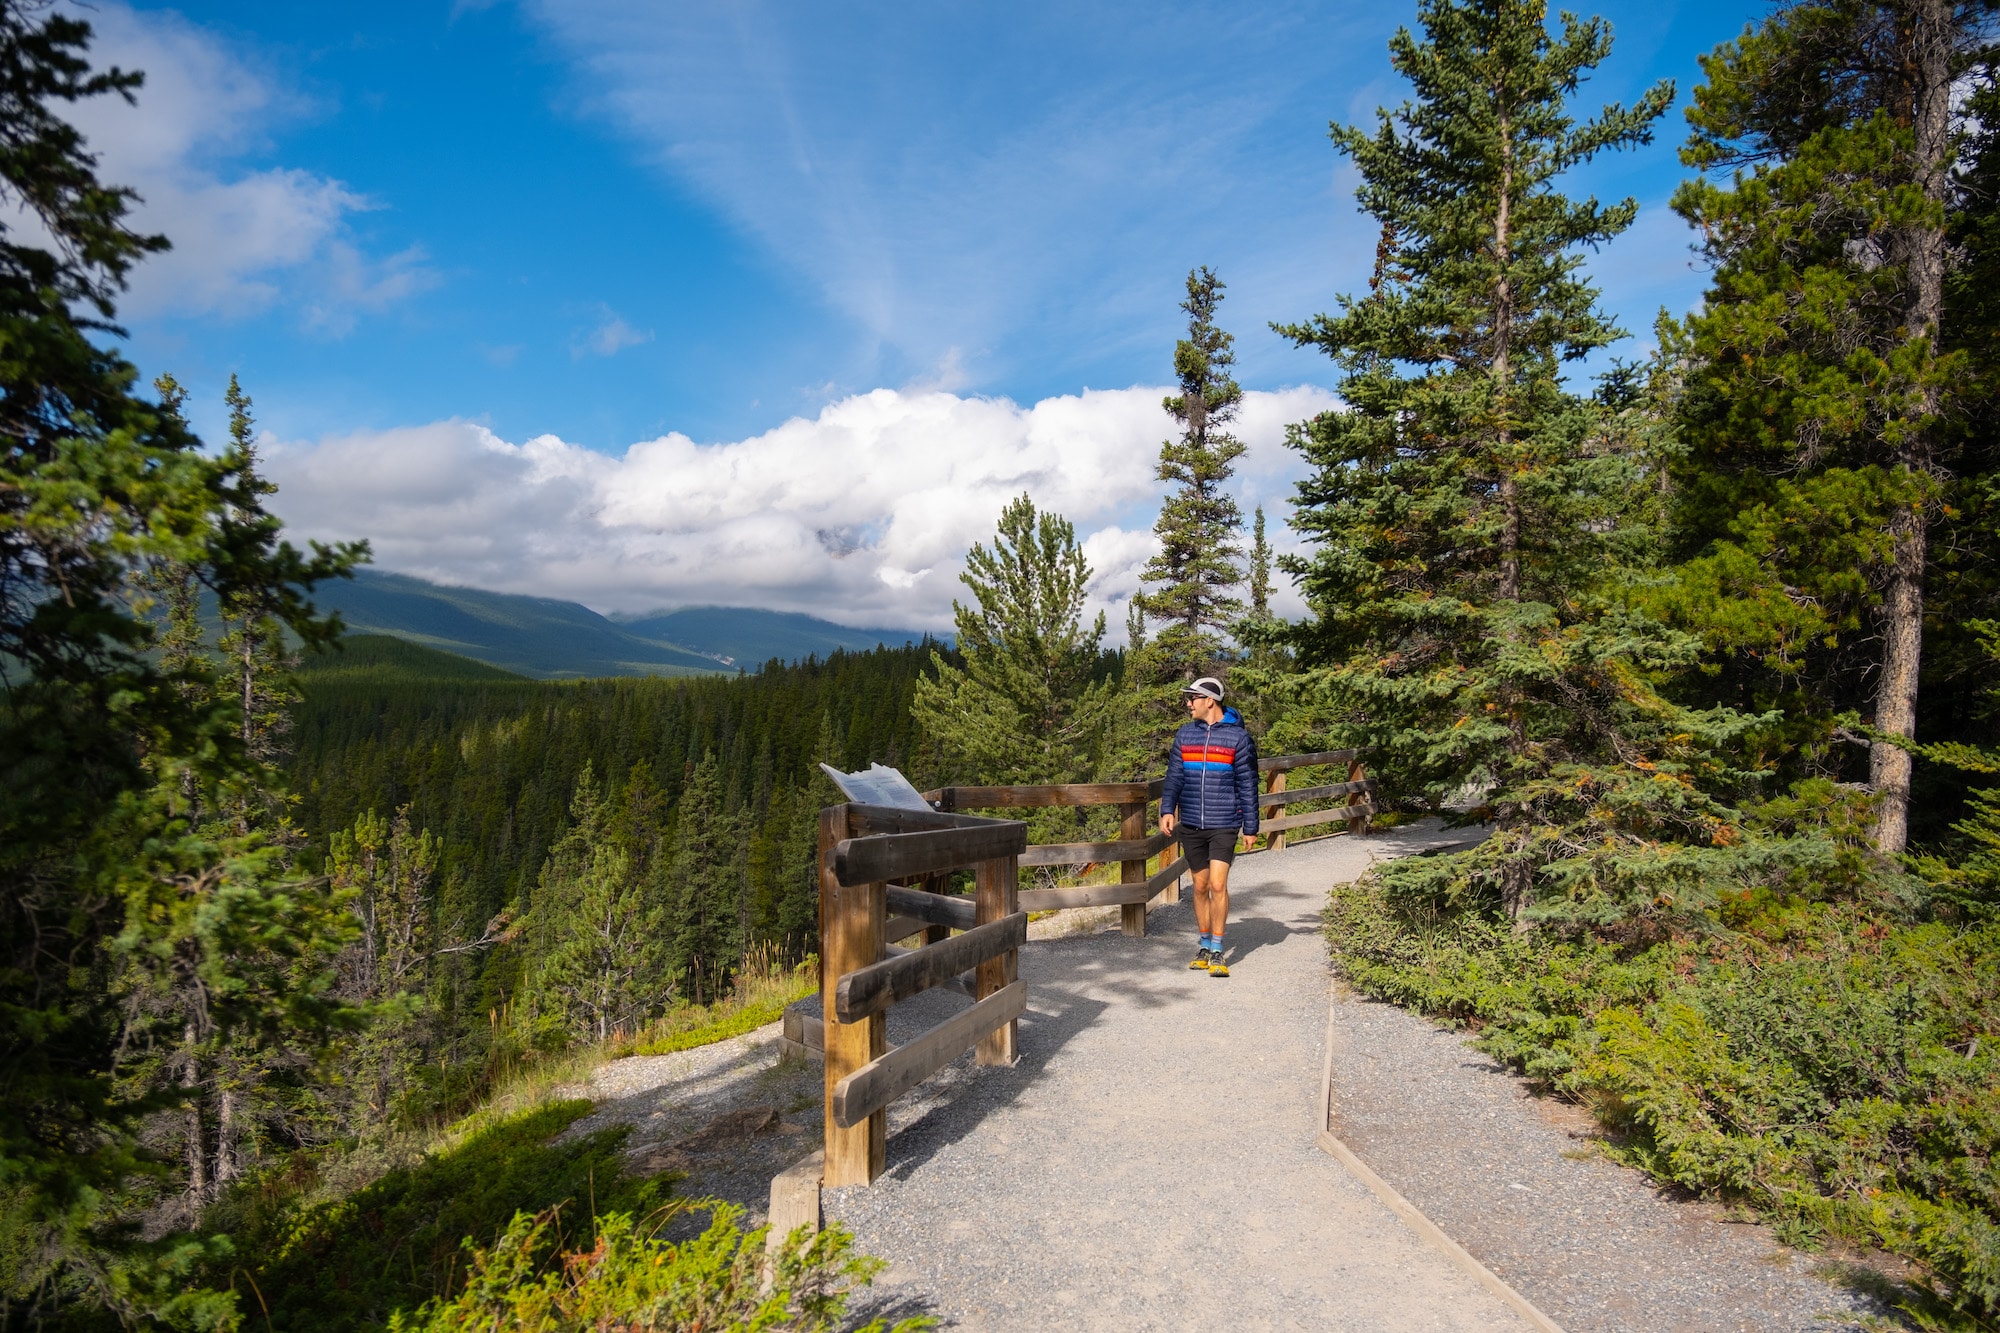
[
  {"x": 957, "y": 178},
  {"x": 244, "y": 238},
  {"x": 1026, "y": 183},
  {"x": 863, "y": 512},
  {"x": 609, "y": 337}
]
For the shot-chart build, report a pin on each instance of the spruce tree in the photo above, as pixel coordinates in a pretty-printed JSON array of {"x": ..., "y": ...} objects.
[
  {"x": 386, "y": 868},
  {"x": 107, "y": 891},
  {"x": 1026, "y": 706},
  {"x": 1820, "y": 379},
  {"x": 1470, "y": 513},
  {"x": 1260, "y": 569},
  {"x": 594, "y": 933},
  {"x": 1191, "y": 580},
  {"x": 705, "y": 885}
]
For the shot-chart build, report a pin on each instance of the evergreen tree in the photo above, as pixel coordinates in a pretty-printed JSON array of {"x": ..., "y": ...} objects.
[
  {"x": 1260, "y": 570},
  {"x": 386, "y": 869},
  {"x": 109, "y": 896},
  {"x": 704, "y": 888},
  {"x": 253, "y": 645},
  {"x": 1027, "y": 705},
  {"x": 1819, "y": 380},
  {"x": 1470, "y": 513},
  {"x": 594, "y": 931},
  {"x": 1192, "y": 576}
]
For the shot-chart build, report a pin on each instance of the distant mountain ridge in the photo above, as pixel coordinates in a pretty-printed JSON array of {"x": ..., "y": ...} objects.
[
  {"x": 747, "y": 637},
  {"x": 549, "y": 639}
]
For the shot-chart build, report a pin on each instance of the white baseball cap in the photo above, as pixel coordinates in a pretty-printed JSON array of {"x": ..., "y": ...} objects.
[{"x": 1208, "y": 687}]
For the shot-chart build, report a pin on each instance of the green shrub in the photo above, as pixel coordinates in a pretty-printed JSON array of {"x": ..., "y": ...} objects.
[
  {"x": 1835, "y": 1070},
  {"x": 632, "y": 1280},
  {"x": 345, "y": 1264}
]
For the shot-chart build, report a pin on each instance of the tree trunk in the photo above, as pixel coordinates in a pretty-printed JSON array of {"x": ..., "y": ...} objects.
[
  {"x": 1928, "y": 34},
  {"x": 228, "y": 1132},
  {"x": 1889, "y": 765},
  {"x": 1503, "y": 346},
  {"x": 195, "y": 1148}
]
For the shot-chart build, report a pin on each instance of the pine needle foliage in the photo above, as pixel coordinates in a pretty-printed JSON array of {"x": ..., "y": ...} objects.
[
  {"x": 1470, "y": 513},
  {"x": 1031, "y": 702},
  {"x": 1819, "y": 379},
  {"x": 1192, "y": 579},
  {"x": 115, "y": 903}
]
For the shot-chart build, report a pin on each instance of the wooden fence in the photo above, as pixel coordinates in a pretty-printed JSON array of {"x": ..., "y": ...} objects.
[{"x": 883, "y": 875}]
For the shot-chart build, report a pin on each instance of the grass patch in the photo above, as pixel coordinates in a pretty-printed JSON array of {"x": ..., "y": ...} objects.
[{"x": 761, "y": 991}]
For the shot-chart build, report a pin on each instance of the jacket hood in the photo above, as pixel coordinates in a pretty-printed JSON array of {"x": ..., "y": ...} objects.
[{"x": 1230, "y": 715}]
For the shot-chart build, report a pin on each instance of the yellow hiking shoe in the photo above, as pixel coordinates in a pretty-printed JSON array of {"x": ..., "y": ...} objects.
[
  {"x": 1216, "y": 966},
  {"x": 1201, "y": 961}
]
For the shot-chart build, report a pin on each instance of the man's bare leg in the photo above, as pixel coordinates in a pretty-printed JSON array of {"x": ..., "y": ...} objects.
[
  {"x": 1216, "y": 891},
  {"x": 1201, "y": 900}
]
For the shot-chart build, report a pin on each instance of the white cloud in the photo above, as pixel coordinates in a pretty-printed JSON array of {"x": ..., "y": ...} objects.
[
  {"x": 863, "y": 513},
  {"x": 611, "y": 336},
  {"x": 244, "y": 238}
]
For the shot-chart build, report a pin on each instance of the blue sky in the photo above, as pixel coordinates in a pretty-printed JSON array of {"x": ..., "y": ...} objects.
[{"x": 605, "y": 224}]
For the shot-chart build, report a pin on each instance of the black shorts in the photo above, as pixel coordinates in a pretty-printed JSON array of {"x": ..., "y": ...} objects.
[{"x": 1203, "y": 845}]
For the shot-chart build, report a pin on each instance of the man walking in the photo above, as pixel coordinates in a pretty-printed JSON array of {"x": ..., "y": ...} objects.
[{"x": 1211, "y": 798}]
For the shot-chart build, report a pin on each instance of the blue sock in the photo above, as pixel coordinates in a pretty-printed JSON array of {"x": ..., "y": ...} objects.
[
  {"x": 1206, "y": 941},
  {"x": 1215, "y": 943}
]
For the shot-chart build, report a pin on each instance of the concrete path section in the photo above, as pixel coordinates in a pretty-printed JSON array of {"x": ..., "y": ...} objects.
[{"x": 1151, "y": 1161}]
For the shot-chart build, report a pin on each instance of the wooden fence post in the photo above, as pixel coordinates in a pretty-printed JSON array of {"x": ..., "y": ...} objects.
[
  {"x": 937, "y": 883},
  {"x": 1276, "y": 841},
  {"x": 1356, "y": 773},
  {"x": 851, "y": 921},
  {"x": 999, "y": 886},
  {"x": 1132, "y": 828}
]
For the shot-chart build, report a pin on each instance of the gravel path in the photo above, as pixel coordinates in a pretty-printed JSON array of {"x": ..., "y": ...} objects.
[
  {"x": 1516, "y": 1180},
  {"x": 1150, "y": 1161}
]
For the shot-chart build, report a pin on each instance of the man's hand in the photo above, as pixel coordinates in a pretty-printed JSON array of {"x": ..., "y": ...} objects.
[{"x": 1167, "y": 823}]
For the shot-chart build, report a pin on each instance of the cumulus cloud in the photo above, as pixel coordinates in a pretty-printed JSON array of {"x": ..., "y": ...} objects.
[
  {"x": 861, "y": 514},
  {"x": 244, "y": 238}
]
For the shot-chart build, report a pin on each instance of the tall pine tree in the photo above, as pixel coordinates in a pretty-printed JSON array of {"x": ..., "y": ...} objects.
[
  {"x": 1191, "y": 582},
  {"x": 1820, "y": 381},
  {"x": 704, "y": 888},
  {"x": 1467, "y": 509}
]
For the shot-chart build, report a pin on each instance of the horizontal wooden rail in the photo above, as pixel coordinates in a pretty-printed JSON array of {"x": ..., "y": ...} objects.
[
  {"x": 1299, "y": 795},
  {"x": 1285, "y": 763},
  {"x": 1102, "y": 895},
  {"x": 935, "y": 908},
  {"x": 1042, "y": 795},
  {"x": 1077, "y": 853},
  {"x": 890, "y": 1075},
  {"x": 1365, "y": 810},
  {"x": 867, "y": 821},
  {"x": 902, "y": 927},
  {"x": 872, "y": 989},
  {"x": 907, "y": 855}
]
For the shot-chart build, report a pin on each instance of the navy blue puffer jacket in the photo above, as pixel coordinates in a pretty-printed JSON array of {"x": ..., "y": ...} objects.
[{"x": 1212, "y": 775}]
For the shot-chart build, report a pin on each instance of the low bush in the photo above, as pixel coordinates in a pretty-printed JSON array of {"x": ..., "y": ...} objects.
[
  {"x": 632, "y": 1280},
  {"x": 338, "y": 1265},
  {"x": 1834, "y": 1069}
]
